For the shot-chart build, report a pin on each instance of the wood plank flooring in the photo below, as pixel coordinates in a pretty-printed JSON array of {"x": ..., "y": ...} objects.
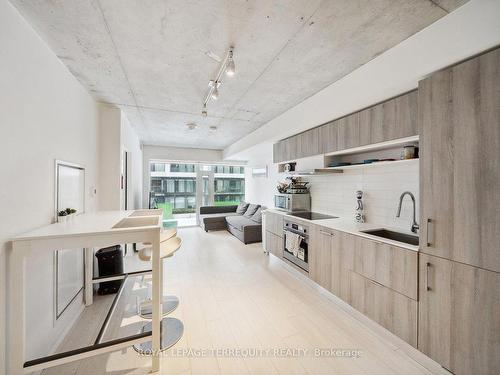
[{"x": 233, "y": 296}]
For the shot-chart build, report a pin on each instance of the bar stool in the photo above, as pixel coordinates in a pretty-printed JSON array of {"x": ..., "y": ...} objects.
[
  {"x": 169, "y": 303},
  {"x": 171, "y": 329}
]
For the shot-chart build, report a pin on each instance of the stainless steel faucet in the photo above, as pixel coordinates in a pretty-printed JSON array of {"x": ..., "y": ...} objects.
[{"x": 414, "y": 226}]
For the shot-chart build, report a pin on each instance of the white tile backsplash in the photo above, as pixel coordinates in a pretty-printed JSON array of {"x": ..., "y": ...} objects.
[{"x": 381, "y": 185}]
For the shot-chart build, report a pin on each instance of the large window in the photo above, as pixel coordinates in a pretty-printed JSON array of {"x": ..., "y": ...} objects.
[{"x": 174, "y": 187}]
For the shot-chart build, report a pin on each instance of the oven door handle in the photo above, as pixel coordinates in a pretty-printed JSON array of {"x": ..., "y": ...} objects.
[{"x": 304, "y": 236}]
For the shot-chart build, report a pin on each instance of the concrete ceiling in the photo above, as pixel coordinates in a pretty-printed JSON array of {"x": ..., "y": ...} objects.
[{"x": 151, "y": 58}]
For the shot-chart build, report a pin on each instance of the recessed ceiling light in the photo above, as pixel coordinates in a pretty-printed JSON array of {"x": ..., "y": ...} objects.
[
  {"x": 212, "y": 128},
  {"x": 191, "y": 126},
  {"x": 230, "y": 68}
]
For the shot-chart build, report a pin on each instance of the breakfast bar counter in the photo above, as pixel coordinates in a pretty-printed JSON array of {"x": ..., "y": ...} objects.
[{"x": 88, "y": 230}]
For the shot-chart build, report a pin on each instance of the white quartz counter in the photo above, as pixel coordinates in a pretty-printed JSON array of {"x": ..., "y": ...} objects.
[{"x": 348, "y": 226}]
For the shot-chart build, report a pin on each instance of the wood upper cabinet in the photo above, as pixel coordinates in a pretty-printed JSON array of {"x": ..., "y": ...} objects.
[
  {"x": 274, "y": 223},
  {"x": 459, "y": 119},
  {"x": 459, "y": 316},
  {"x": 391, "y": 266},
  {"x": 348, "y": 131},
  {"x": 308, "y": 143},
  {"x": 278, "y": 152},
  {"x": 393, "y": 119},
  {"x": 328, "y": 134}
]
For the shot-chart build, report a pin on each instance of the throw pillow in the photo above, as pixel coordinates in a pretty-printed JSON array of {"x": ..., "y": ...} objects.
[
  {"x": 251, "y": 210},
  {"x": 242, "y": 208},
  {"x": 257, "y": 216}
]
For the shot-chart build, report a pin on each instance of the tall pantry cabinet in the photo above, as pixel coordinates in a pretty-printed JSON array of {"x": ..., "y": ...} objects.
[{"x": 459, "y": 263}]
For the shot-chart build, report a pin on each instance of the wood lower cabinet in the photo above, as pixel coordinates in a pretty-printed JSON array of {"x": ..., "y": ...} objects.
[
  {"x": 390, "y": 309},
  {"x": 391, "y": 266},
  {"x": 459, "y": 119},
  {"x": 274, "y": 244},
  {"x": 274, "y": 223},
  {"x": 459, "y": 316},
  {"x": 330, "y": 259}
]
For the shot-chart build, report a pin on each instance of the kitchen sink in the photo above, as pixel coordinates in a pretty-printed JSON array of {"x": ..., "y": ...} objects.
[{"x": 395, "y": 236}]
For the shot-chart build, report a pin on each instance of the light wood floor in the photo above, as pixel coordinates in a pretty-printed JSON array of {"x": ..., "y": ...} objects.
[{"x": 234, "y": 296}]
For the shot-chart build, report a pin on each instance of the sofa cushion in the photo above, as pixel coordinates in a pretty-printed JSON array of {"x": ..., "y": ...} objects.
[
  {"x": 257, "y": 216},
  {"x": 239, "y": 222},
  {"x": 242, "y": 207},
  {"x": 252, "y": 208}
]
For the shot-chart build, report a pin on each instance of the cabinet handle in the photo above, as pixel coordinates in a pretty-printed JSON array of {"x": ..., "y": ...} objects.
[
  {"x": 326, "y": 233},
  {"x": 427, "y": 266},
  {"x": 427, "y": 241}
]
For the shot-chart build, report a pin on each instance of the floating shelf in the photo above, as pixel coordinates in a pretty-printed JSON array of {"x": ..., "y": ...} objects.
[{"x": 374, "y": 164}]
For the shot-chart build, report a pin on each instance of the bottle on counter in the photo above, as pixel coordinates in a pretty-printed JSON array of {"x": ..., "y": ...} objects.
[{"x": 359, "y": 215}]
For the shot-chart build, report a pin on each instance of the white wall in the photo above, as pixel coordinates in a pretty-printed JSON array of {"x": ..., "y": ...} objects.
[
  {"x": 109, "y": 191},
  {"x": 175, "y": 154},
  {"x": 45, "y": 115},
  {"x": 467, "y": 31},
  {"x": 130, "y": 143}
]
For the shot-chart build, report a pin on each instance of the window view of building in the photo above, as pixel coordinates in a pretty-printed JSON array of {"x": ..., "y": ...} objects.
[{"x": 173, "y": 186}]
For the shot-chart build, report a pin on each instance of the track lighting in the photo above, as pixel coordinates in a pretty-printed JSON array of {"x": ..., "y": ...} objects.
[
  {"x": 215, "y": 91},
  {"x": 228, "y": 67}
]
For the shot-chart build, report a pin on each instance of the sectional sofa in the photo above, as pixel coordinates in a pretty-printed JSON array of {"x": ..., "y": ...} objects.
[{"x": 244, "y": 221}]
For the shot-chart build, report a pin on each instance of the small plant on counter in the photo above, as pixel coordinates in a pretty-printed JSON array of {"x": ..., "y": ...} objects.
[
  {"x": 62, "y": 213},
  {"x": 70, "y": 211}
]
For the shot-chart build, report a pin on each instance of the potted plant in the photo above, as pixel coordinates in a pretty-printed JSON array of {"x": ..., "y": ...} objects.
[{"x": 62, "y": 216}]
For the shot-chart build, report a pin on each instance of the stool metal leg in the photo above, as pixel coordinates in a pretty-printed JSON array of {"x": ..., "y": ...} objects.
[
  {"x": 171, "y": 332},
  {"x": 170, "y": 303}
]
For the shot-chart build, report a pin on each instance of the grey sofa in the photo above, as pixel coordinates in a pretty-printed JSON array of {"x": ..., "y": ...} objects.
[{"x": 246, "y": 225}]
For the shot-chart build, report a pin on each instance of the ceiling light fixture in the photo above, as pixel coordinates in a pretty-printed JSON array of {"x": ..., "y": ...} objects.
[
  {"x": 212, "y": 128},
  {"x": 228, "y": 67},
  {"x": 191, "y": 126}
]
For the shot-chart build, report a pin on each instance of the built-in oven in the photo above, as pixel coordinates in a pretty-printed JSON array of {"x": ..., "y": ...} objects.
[
  {"x": 293, "y": 202},
  {"x": 296, "y": 243}
]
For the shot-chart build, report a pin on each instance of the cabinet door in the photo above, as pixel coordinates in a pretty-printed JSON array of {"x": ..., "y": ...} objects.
[
  {"x": 308, "y": 143},
  {"x": 388, "y": 308},
  {"x": 291, "y": 145},
  {"x": 278, "y": 152},
  {"x": 342, "y": 248},
  {"x": 274, "y": 223},
  {"x": 274, "y": 244},
  {"x": 348, "y": 131},
  {"x": 459, "y": 116},
  {"x": 320, "y": 256},
  {"x": 390, "y": 266},
  {"x": 459, "y": 316},
  {"x": 328, "y": 135}
]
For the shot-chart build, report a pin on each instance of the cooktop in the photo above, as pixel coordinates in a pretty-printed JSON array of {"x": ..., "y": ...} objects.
[{"x": 312, "y": 215}]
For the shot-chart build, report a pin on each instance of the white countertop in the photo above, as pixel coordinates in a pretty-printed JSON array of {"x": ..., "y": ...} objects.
[
  {"x": 348, "y": 226},
  {"x": 100, "y": 222}
]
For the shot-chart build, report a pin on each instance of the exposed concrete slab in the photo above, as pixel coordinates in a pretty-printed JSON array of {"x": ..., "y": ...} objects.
[{"x": 151, "y": 58}]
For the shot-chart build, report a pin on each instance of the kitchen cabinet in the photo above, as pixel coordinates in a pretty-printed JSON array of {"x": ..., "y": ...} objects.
[
  {"x": 391, "y": 266},
  {"x": 321, "y": 242},
  {"x": 274, "y": 244},
  {"x": 390, "y": 309},
  {"x": 393, "y": 119},
  {"x": 459, "y": 120},
  {"x": 330, "y": 259},
  {"x": 328, "y": 134},
  {"x": 278, "y": 152},
  {"x": 307, "y": 143},
  {"x": 459, "y": 316},
  {"x": 274, "y": 223},
  {"x": 348, "y": 131}
]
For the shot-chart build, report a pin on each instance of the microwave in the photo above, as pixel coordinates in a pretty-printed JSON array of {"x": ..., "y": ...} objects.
[{"x": 292, "y": 202}]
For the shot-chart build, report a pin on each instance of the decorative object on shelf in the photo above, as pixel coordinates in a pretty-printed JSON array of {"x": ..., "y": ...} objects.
[
  {"x": 409, "y": 152},
  {"x": 360, "y": 213},
  {"x": 339, "y": 164},
  {"x": 293, "y": 185},
  {"x": 369, "y": 161},
  {"x": 289, "y": 167}
]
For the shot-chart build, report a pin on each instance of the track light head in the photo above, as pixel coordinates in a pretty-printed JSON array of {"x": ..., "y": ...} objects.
[
  {"x": 230, "y": 68},
  {"x": 215, "y": 91}
]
